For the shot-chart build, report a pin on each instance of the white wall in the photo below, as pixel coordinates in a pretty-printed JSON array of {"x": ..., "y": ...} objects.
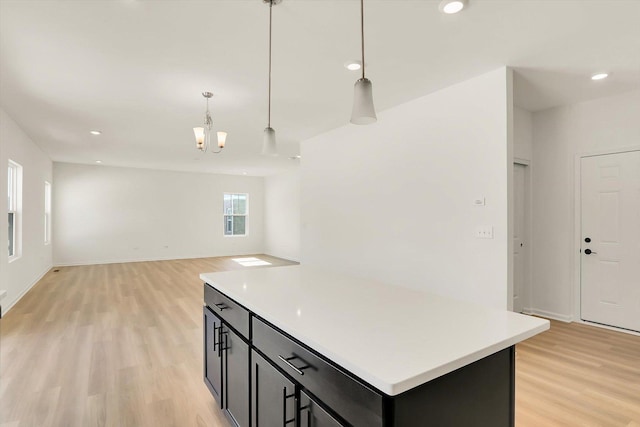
[
  {"x": 18, "y": 276},
  {"x": 282, "y": 215},
  {"x": 559, "y": 136},
  {"x": 523, "y": 134},
  {"x": 394, "y": 200},
  {"x": 109, "y": 214}
]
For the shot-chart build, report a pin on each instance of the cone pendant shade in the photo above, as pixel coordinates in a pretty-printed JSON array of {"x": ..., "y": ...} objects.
[
  {"x": 363, "y": 112},
  {"x": 269, "y": 142}
]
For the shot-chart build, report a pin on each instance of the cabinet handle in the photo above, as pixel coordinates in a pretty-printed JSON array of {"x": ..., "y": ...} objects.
[
  {"x": 222, "y": 306},
  {"x": 223, "y": 334},
  {"x": 254, "y": 391},
  {"x": 308, "y": 409},
  {"x": 286, "y": 396},
  {"x": 292, "y": 366},
  {"x": 215, "y": 344}
]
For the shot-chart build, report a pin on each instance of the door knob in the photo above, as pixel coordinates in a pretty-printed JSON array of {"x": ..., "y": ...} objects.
[{"x": 589, "y": 252}]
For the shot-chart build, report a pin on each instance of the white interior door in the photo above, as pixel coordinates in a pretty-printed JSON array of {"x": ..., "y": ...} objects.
[
  {"x": 610, "y": 249},
  {"x": 520, "y": 241}
]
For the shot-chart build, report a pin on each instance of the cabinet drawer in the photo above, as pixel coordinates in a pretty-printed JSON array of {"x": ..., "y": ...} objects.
[
  {"x": 230, "y": 311},
  {"x": 352, "y": 400}
]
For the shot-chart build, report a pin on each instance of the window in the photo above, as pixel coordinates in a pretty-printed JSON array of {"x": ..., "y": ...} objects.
[
  {"x": 14, "y": 190},
  {"x": 236, "y": 210},
  {"x": 47, "y": 213}
]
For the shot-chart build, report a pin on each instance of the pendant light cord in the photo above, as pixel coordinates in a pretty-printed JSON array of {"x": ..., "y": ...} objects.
[
  {"x": 362, "y": 32},
  {"x": 270, "y": 24}
]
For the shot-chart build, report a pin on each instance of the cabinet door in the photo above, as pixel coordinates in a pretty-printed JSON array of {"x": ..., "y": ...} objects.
[
  {"x": 312, "y": 415},
  {"x": 212, "y": 354},
  {"x": 236, "y": 377},
  {"x": 272, "y": 395}
]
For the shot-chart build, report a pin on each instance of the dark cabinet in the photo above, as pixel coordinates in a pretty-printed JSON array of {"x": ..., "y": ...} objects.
[
  {"x": 273, "y": 396},
  {"x": 226, "y": 368},
  {"x": 212, "y": 354},
  {"x": 263, "y": 377},
  {"x": 235, "y": 362},
  {"x": 312, "y": 414}
]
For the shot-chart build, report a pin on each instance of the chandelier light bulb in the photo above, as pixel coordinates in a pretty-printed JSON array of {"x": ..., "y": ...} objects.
[
  {"x": 222, "y": 139},
  {"x": 199, "y": 133}
]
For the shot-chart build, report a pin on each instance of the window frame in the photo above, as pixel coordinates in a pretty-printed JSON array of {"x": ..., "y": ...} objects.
[
  {"x": 14, "y": 209},
  {"x": 47, "y": 213},
  {"x": 232, "y": 215}
]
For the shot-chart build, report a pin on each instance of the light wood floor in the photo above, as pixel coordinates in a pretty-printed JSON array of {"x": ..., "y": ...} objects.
[
  {"x": 121, "y": 345},
  {"x": 578, "y": 375}
]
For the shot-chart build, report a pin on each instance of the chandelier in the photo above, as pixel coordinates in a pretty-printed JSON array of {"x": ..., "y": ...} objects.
[{"x": 203, "y": 134}]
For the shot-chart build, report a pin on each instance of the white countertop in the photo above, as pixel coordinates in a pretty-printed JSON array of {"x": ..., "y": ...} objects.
[{"x": 392, "y": 337}]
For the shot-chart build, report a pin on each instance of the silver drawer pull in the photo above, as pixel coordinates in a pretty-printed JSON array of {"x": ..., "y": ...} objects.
[
  {"x": 292, "y": 366},
  {"x": 221, "y": 306}
]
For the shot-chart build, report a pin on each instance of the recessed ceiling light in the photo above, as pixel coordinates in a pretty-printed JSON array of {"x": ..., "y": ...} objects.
[
  {"x": 452, "y": 6},
  {"x": 95, "y": 132},
  {"x": 244, "y": 173},
  {"x": 353, "y": 65},
  {"x": 599, "y": 76},
  {"x": 295, "y": 157},
  {"x": 98, "y": 161}
]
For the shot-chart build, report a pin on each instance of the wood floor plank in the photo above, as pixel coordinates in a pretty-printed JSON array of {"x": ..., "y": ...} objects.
[{"x": 120, "y": 345}]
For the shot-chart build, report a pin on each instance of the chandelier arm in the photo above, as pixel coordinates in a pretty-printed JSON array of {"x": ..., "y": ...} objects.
[{"x": 208, "y": 125}]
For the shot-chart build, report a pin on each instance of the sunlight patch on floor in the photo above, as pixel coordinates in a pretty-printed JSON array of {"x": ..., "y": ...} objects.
[{"x": 251, "y": 262}]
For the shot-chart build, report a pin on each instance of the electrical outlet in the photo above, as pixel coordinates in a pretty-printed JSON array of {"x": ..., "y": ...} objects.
[{"x": 485, "y": 232}]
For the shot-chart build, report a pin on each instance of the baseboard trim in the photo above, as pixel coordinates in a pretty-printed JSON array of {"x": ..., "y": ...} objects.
[
  {"x": 288, "y": 258},
  {"x": 610, "y": 328},
  {"x": 124, "y": 261},
  {"x": 24, "y": 292},
  {"x": 549, "y": 315},
  {"x": 294, "y": 259}
]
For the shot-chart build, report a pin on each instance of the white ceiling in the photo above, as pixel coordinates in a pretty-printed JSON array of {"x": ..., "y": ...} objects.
[{"x": 135, "y": 69}]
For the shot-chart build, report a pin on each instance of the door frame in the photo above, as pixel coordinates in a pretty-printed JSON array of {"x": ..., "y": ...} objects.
[
  {"x": 527, "y": 292},
  {"x": 577, "y": 231}
]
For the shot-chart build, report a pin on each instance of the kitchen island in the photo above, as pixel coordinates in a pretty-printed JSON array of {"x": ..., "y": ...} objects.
[{"x": 301, "y": 346}]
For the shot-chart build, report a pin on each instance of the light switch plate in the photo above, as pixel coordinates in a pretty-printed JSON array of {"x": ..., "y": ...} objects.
[{"x": 484, "y": 232}]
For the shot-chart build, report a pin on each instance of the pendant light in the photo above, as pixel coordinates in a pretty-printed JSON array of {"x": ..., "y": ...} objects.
[
  {"x": 269, "y": 141},
  {"x": 363, "y": 112},
  {"x": 203, "y": 134}
]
